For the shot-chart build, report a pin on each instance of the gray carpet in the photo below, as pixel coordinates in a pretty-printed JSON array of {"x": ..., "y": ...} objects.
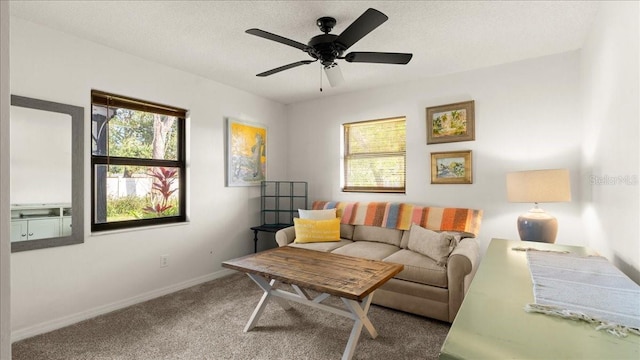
[{"x": 206, "y": 322}]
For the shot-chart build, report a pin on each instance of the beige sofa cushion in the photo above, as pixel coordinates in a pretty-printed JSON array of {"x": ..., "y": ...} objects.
[
  {"x": 323, "y": 246},
  {"x": 404, "y": 241},
  {"x": 436, "y": 245},
  {"x": 346, "y": 231},
  {"x": 377, "y": 234},
  {"x": 367, "y": 250},
  {"x": 419, "y": 268}
]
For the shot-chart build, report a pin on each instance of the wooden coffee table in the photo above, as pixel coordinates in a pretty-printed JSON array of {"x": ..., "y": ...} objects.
[{"x": 349, "y": 278}]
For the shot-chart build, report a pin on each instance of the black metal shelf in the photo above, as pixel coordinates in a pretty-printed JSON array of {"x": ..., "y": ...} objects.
[
  {"x": 279, "y": 204},
  {"x": 280, "y": 201}
]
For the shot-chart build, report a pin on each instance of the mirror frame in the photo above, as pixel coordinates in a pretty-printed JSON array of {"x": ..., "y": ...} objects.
[{"x": 77, "y": 173}]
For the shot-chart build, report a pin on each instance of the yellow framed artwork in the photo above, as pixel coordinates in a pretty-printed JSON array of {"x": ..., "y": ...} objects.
[{"x": 246, "y": 153}]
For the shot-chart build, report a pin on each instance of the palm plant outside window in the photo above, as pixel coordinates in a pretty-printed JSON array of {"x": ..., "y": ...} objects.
[
  {"x": 138, "y": 162},
  {"x": 375, "y": 156}
]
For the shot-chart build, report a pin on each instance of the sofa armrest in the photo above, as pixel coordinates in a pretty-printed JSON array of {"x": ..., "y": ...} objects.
[
  {"x": 285, "y": 236},
  {"x": 461, "y": 267}
]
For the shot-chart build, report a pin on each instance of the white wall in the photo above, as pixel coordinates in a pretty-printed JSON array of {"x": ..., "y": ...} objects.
[
  {"x": 610, "y": 145},
  {"x": 527, "y": 116},
  {"x": 5, "y": 244},
  {"x": 55, "y": 287}
]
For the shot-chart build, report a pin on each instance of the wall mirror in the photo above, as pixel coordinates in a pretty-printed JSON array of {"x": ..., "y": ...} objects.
[{"x": 46, "y": 162}]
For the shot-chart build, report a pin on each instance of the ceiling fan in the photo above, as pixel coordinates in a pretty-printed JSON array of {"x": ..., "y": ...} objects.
[{"x": 327, "y": 48}]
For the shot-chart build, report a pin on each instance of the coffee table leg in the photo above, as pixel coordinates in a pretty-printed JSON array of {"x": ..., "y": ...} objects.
[
  {"x": 267, "y": 287},
  {"x": 359, "y": 310}
]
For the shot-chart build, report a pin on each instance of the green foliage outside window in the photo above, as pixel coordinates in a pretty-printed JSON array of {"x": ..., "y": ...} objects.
[
  {"x": 131, "y": 208},
  {"x": 132, "y": 134}
]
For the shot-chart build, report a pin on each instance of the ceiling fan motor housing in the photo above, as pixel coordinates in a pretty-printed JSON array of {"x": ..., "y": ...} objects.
[{"x": 323, "y": 48}]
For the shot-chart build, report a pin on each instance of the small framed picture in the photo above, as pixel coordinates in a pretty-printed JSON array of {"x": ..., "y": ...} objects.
[
  {"x": 451, "y": 123},
  {"x": 451, "y": 167},
  {"x": 246, "y": 153}
]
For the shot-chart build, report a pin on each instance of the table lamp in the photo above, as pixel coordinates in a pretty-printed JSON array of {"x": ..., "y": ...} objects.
[{"x": 538, "y": 186}]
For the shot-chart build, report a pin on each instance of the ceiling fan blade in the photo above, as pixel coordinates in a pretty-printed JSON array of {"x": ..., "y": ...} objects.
[
  {"x": 276, "y": 38},
  {"x": 334, "y": 74},
  {"x": 378, "y": 57},
  {"x": 363, "y": 25},
  {"x": 285, "y": 67}
]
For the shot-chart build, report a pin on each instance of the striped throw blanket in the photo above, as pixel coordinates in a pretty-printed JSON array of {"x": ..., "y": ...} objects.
[{"x": 402, "y": 215}]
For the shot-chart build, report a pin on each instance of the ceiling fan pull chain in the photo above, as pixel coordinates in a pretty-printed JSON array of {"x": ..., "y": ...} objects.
[{"x": 320, "y": 78}]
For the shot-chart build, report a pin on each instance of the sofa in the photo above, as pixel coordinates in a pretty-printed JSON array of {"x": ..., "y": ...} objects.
[{"x": 384, "y": 231}]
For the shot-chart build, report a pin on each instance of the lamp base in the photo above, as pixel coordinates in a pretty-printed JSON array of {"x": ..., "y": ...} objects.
[{"x": 537, "y": 225}]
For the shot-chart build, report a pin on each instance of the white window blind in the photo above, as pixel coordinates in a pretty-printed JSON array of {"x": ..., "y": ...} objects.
[{"x": 375, "y": 155}]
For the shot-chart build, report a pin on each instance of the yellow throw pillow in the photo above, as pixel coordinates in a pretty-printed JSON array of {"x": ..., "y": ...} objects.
[{"x": 308, "y": 231}]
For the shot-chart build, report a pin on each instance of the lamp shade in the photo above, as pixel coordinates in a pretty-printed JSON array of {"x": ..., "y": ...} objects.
[{"x": 539, "y": 186}]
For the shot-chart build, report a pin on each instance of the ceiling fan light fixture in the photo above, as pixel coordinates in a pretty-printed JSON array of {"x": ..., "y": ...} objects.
[{"x": 334, "y": 75}]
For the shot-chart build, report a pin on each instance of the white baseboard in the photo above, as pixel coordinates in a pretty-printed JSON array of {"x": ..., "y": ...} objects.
[{"x": 58, "y": 323}]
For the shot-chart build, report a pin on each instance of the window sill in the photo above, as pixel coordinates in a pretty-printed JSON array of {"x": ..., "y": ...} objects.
[{"x": 133, "y": 229}]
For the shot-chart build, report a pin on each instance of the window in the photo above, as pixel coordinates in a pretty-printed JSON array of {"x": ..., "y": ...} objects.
[
  {"x": 138, "y": 172},
  {"x": 375, "y": 155}
]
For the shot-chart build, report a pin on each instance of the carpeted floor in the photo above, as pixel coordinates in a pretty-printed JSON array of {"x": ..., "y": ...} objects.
[{"x": 206, "y": 322}]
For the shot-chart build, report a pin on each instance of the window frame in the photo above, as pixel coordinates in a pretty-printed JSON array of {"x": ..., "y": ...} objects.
[
  {"x": 105, "y": 99},
  {"x": 373, "y": 155}
]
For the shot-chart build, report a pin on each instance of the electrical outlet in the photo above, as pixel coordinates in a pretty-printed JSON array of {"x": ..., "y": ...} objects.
[{"x": 164, "y": 260}]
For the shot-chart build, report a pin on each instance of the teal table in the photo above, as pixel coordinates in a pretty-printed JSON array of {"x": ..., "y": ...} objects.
[{"x": 492, "y": 324}]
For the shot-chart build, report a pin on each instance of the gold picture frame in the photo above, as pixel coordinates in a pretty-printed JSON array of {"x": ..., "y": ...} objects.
[
  {"x": 451, "y": 167},
  {"x": 451, "y": 123}
]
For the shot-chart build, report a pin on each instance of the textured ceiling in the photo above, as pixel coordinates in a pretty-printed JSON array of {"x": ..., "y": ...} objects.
[{"x": 207, "y": 38}]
